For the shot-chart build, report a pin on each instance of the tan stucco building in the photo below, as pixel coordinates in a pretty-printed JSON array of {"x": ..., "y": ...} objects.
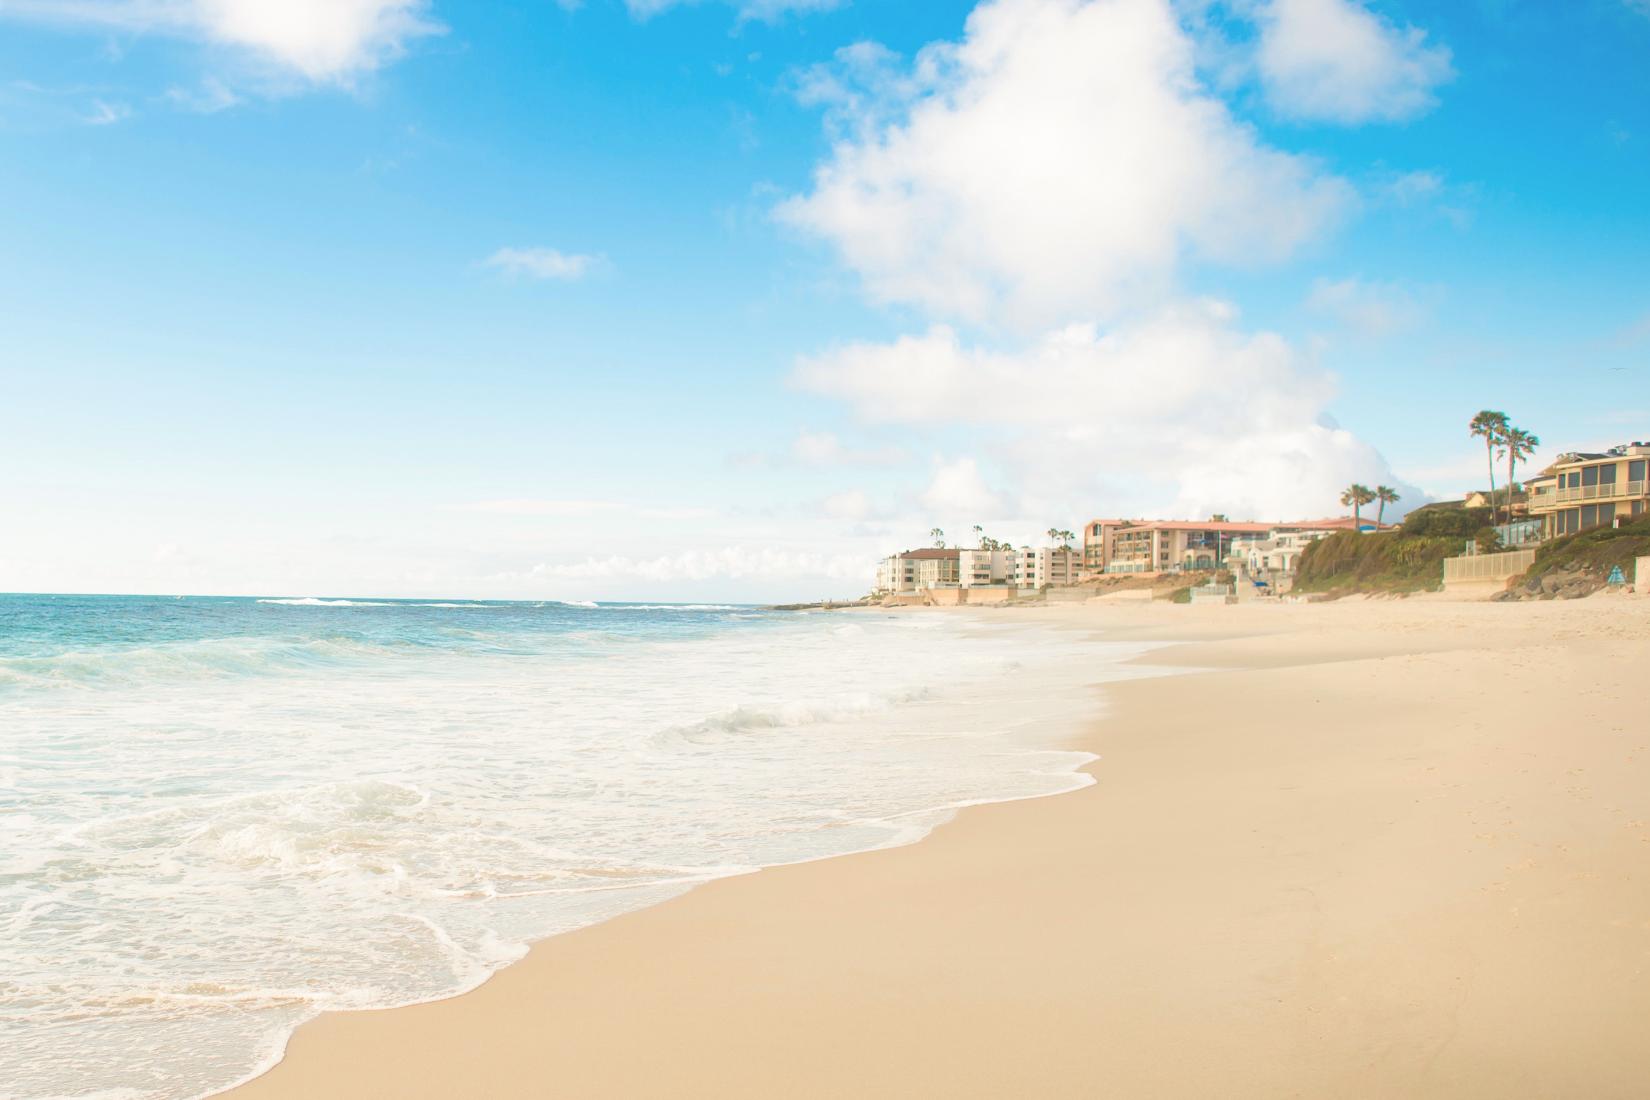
[
  {"x": 915, "y": 570},
  {"x": 1592, "y": 490},
  {"x": 1166, "y": 546},
  {"x": 1043, "y": 567}
]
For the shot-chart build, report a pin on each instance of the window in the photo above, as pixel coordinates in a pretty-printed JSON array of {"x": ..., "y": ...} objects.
[
  {"x": 1635, "y": 470},
  {"x": 1589, "y": 475},
  {"x": 1606, "y": 514},
  {"x": 1607, "y": 475},
  {"x": 1589, "y": 516}
]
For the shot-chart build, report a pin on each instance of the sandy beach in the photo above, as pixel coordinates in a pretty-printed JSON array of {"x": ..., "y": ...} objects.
[{"x": 1371, "y": 848}]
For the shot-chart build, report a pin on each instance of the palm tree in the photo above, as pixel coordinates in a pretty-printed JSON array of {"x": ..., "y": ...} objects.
[
  {"x": 1386, "y": 495},
  {"x": 1491, "y": 427},
  {"x": 1053, "y": 534},
  {"x": 939, "y": 538},
  {"x": 1520, "y": 444},
  {"x": 1356, "y": 496}
]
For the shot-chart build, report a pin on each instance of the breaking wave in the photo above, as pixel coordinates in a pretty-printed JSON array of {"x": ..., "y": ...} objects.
[
  {"x": 313, "y": 601},
  {"x": 672, "y": 607},
  {"x": 212, "y": 838},
  {"x": 208, "y": 659}
]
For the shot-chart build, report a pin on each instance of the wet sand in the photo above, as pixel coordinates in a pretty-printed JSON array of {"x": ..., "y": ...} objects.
[{"x": 1386, "y": 848}]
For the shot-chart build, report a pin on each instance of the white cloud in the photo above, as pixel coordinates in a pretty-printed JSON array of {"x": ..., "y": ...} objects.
[
  {"x": 1337, "y": 61},
  {"x": 325, "y": 41},
  {"x": 104, "y": 113},
  {"x": 825, "y": 449},
  {"x": 1054, "y": 167},
  {"x": 1409, "y": 188},
  {"x": 1060, "y": 160},
  {"x": 1427, "y": 190},
  {"x": 959, "y": 489},
  {"x": 580, "y": 509},
  {"x": 817, "y": 449},
  {"x": 212, "y": 96},
  {"x": 1634, "y": 334},
  {"x": 737, "y": 563},
  {"x": 1369, "y": 309},
  {"x": 1161, "y": 367},
  {"x": 849, "y": 504},
  {"x": 766, "y": 11},
  {"x": 534, "y": 507},
  {"x": 676, "y": 514},
  {"x": 542, "y": 263},
  {"x": 1179, "y": 413}
]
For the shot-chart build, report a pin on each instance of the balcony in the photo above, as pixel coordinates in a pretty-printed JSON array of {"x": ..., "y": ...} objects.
[{"x": 1614, "y": 490}]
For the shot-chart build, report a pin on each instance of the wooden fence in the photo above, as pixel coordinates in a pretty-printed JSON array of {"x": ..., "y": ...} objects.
[{"x": 1487, "y": 567}]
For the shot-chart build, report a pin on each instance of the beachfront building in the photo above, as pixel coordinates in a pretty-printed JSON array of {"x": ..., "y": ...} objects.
[
  {"x": 916, "y": 570},
  {"x": 1165, "y": 546},
  {"x": 1098, "y": 537},
  {"x": 981, "y": 568},
  {"x": 1594, "y": 490},
  {"x": 1168, "y": 546},
  {"x": 1520, "y": 498},
  {"x": 1045, "y": 567},
  {"x": 1275, "y": 555},
  {"x": 1542, "y": 492}
]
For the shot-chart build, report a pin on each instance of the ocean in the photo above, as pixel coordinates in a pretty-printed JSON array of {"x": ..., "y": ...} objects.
[{"x": 220, "y": 817}]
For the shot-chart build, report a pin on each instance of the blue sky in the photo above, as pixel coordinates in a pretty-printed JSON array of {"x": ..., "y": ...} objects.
[{"x": 703, "y": 300}]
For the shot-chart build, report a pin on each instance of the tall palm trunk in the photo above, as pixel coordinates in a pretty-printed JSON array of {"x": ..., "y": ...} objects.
[
  {"x": 1489, "y": 449},
  {"x": 1512, "y": 464},
  {"x": 1357, "y": 526},
  {"x": 1380, "y": 512}
]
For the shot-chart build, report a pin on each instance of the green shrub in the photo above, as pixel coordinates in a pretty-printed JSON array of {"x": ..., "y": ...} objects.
[
  {"x": 1390, "y": 561},
  {"x": 1596, "y": 551},
  {"x": 1460, "y": 523}
]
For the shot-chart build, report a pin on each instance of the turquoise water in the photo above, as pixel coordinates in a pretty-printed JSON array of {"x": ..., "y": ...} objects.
[{"x": 219, "y": 817}]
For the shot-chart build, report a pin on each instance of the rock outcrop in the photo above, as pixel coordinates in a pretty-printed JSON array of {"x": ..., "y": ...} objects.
[{"x": 1570, "y": 582}]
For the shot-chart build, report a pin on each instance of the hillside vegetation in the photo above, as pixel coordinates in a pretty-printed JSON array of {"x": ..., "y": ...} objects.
[
  {"x": 1580, "y": 564},
  {"x": 1390, "y": 561},
  {"x": 1409, "y": 559}
]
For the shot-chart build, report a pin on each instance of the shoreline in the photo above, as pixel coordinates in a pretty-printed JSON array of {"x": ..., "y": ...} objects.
[{"x": 1185, "y": 924}]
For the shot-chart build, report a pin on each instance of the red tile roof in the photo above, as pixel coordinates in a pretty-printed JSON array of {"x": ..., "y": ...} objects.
[
  {"x": 1222, "y": 526},
  {"x": 1334, "y": 523}
]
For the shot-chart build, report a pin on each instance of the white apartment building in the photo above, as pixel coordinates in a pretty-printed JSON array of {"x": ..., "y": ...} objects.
[
  {"x": 1042, "y": 567},
  {"x": 916, "y": 570},
  {"x": 978, "y": 568},
  {"x": 1278, "y": 553},
  {"x": 891, "y": 574}
]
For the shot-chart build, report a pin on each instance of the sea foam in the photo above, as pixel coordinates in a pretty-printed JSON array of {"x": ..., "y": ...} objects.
[{"x": 212, "y": 837}]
